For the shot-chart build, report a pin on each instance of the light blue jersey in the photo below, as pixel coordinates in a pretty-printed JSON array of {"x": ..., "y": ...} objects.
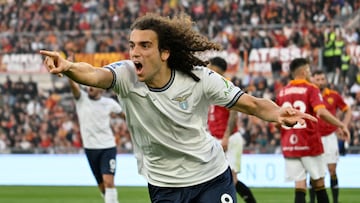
[{"x": 168, "y": 125}]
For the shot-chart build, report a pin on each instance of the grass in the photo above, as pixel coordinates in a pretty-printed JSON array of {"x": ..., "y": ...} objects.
[{"x": 81, "y": 194}]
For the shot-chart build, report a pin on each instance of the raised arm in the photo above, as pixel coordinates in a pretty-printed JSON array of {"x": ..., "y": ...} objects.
[
  {"x": 75, "y": 88},
  {"x": 80, "y": 72},
  {"x": 269, "y": 111}
]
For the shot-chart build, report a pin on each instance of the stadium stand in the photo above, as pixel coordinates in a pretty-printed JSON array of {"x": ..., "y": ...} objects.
[{"x": 37, "y": 113}]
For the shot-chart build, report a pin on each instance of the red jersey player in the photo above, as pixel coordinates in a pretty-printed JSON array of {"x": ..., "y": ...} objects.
[
  {"x": 334, "y": 103},
  {"x": 301, "y": 144}
]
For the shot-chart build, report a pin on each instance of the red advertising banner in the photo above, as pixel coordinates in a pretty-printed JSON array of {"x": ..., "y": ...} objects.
[
  {"x": 231, "y": 56},
  {"x": 259, "y": 60}
]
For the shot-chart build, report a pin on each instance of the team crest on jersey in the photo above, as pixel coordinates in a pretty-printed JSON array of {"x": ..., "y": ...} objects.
[
  {"x": 183, "y": 103},
  {"x": 330, "y": 100}
]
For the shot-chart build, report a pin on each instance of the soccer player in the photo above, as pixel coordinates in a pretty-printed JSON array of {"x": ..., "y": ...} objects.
[
  {"x": 334, "y": 103},
  {"x": 94, "y": 113},
  {"x": 166, "y": 91},
  {"x": 222, "y": 125},
  {"x": 301, "y": 144}
]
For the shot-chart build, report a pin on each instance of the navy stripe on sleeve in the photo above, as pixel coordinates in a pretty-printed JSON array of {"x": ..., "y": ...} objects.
[
  {"x": 235, "y": 99},
  {"x": 114, "y": 77}
]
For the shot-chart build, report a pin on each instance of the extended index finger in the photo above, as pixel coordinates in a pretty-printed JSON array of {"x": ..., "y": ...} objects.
[
  {"x": 308, "y": 116},
  {"x": 48, "y": 53}
]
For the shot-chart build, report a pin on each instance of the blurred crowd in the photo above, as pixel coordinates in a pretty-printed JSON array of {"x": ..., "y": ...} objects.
[
  {"x": 102, "y": 25},
  {"x": 36, "y": 121},
  {"x": 44, "y": 121}
]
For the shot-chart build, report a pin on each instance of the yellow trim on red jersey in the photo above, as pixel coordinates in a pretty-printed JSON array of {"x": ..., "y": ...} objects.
[
  {"x": 328, "y": 91},
  {"x": 301, "y": 81},
  {"x": 320, "y": 106}
]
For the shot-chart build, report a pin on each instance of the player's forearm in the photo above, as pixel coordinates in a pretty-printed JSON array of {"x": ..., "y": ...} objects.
[
  {"x": 347, "y": 117},
  {"x": 328, "y": 117},
  {"x": 267, "y": 110},
  {"x": 75, "y": 88},
  {"x": 263, "y": 108},
  {"x": 87, "y": 74},
  {"x": 230, "y": 124}
]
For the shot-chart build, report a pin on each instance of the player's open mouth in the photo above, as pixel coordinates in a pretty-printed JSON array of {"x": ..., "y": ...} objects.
[{"x": 138, "y": 66}]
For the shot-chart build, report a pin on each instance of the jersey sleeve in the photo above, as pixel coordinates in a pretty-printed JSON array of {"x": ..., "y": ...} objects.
[
  {"x": 341, "y": 103},
  {"x": 316, "y": 100},
  {"x": 219, "y": 90},
  {"x": 124, "y": 76}
]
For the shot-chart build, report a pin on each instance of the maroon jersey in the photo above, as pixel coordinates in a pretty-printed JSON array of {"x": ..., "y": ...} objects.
[
  {"x": 333, "y": 101},
  {"x": 301, "y": 140},
  {"x": 217, "y": 121}
]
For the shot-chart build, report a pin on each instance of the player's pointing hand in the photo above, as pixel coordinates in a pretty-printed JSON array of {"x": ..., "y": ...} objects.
[
  {"x": 290, "y": 116},
  {"x": 55, "y": 63}
]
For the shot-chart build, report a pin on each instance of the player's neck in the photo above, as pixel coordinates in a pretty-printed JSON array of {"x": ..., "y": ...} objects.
[{"x": 161, "y": 79}]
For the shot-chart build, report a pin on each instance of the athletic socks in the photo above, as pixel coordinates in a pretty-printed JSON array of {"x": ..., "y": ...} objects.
[
  {"x": 321, "y": 195},
  {"x": 334, "y": 188},
  {"x": 300, "y": 195},
  {"x": 111, "y": 195},
  {"x": 245, "y": 192},
  {"x": 312, "y": 192}
]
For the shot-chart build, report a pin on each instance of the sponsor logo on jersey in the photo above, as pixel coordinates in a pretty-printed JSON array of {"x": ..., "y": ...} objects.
[
  {"x": 293, "y": 139},
  {"x": 115, "y": 65},
  {"x": 229, "y": 87}
]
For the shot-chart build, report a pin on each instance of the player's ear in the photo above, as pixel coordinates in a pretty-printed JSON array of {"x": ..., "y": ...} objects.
[{"x": 164, "y": 54}]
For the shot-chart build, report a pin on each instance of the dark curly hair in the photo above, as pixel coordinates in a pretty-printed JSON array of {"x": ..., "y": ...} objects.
[{"x": 177, "y": 35}]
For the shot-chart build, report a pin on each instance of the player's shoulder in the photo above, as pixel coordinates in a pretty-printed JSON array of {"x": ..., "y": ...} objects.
[
  {"x": 202, "y": 71},
  {"x": 334, "y": 92},
  {"x": 110, "y": 101},
  {"x": 119, "y": 64},
  {"x": 304, "y": 83}
]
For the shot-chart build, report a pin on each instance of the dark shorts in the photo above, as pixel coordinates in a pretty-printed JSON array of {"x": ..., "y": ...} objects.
[
  {"x": 101, "y": 161},
  {"x": 218, "y": 190}
]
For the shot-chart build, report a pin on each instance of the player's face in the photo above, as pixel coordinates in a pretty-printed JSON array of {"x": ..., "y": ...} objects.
[
  {"x": 150, "y": 63},
  {"x": 320, "y": 80},
  {"x": 94, "y": 92},
  {"x": 307, "y": 72}
]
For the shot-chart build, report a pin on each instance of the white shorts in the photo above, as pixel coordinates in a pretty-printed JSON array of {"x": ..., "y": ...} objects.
[
  {"x": 331, "y": 148},
  {"x": 234, "y": 152},
  {"x": 297, "y": 168}
]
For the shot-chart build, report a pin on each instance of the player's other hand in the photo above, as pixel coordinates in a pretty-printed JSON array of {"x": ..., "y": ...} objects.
[
  {"x": 225, "y": 143},
  {"x": 55, "y": 63},
  {"x": 343, "y": 133},
  {"x": 290, "y": 116}
]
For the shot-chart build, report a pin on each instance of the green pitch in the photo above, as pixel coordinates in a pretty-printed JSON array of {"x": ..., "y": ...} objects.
[{"x": 52, "y": 194}]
